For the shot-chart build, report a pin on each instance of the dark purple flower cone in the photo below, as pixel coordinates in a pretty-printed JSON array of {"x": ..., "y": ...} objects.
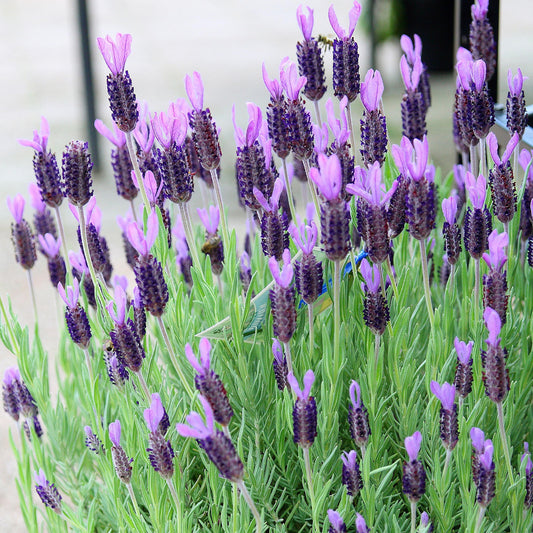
[
  {"x": 449, "y": 429},
  {"x": 280, "y": 373},
  {"x": 351, "y": 479},
  {"x": 495, "y": 373},
  {"x": 420, "y": 208},
  {"x": 347, "y": 166},
  {"x": 57, "y": 270},
  {"x": 414, "y": 480},
  {"x": 304, "y": 422},
  {"x": 94, "y": 245},
  {"x": 139, "y": 321},
  {"x": 122, "y": 167},
  {"x": 283, "y": 312},
  {"x": 358, "y": 423},
  {"x": 222, "y": 453},
  {"x": 311, "y": 65},
  {"x": 413, "y": 115},
  {"x": 94, "y": 444},
  {"x": 425, "y": 88},
  {"x": 128, "y": 347},
  {"x": 76, "y": 168},
  {"x": 151, "y": 283},
  {"x": 122, "y": 101},
  {"x": 482, "y": 44},
  {"x": 377, "y": 243},
  {"x": 211, "y": 388},
  {"x": 23, "y": 243},
  {"x": 298, "y": 123},
  {"x": 530, "y": 252},
  {"x": 245, "y": 275},
  {"x": 444, "y": 272},
  {"x": 486, "y": 485},
  {"x": 26, "y": 402},
  {"x": 463, "y": 114},
  {"x": 396, "y": 215},
  {"x": 526, "y": 226},
  {"x": 131, "y": 253},
  {"x": 503, "y": 191},
  {"x": 48, "y": 178},
  {"x": 475, "y": 467},
  {"x": 375, "y": 312},
  {"x": 167, "y": 223},
  {"x": 452, "y": 242},
  {"x": 335, "y": 224},
  {"x": 185, "y": 266},
  {"x": 459, "y": 135},
  {"x": 516, "y": 114},
  {"x": 107, "y": 272},
  {"x": 78, "y": 325},
  {"x": 173, "y": 168},
  {"x": 205, "y": 138},
  {"x": 274, "y": 234},
  {"x": 373, "y": 137},
  {"x": 338, "y": 528},
  {"x": 49, "y": 496},
  {"x": 528, "y": 500},
  {"x": 483, "y": 112},
  {"x": 463, "y": 378},
  {"x": 477, "y": 228},
  {"x": 161, "y": 455},
  {"x": 308, "y": 278},
  {"x": 36, "y": 427},
  {"x": 122, "y": 464},
  {"x": 116, "y": 371},
  {"x": 44, "y": 223},
  {"x": 214, "y": 248},
  {"x": 495, "y": 293},
  {"x": 299, "y": 170},
  {"x": 10, "y": 400},
  {"x": 194, "y": 164},
  {"x": 88, "y": 288},
  {"x": 251, "y": 172},
  {"x": 277, "y": 127},
  {"x": 346, "y": 80}
]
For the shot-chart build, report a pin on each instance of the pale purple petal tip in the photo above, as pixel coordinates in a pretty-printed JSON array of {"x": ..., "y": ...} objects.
[
  {"x": 355, "y": 394},
  {"x": 155, "y": 413},
  {"x": 494, "y": 325},
  {"x": 40, "y": 478},
  {"x": 412, "y": 445},
  {"x": 464, "y": 351},
  {"x": 114, "y": 432},
  {"x": 449, "y": 209},
  {"x": 335, "y": 519},
  {"x": 445, "y": 393},
  {"x": 195, "y": 90},
  {"x": 360, "y": 524},
  {"x": 478, "y": 439}
]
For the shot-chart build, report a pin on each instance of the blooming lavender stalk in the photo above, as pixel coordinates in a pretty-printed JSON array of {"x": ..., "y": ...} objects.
[
  {"x": 482, "y": 41},
  {"x": 495, "y": 281},
  {"x": 425, "y": 524},
  {"x": 396, "y": 212},
  {"x": 56, "y": 264},
  {"x": 47, "y": 492},
  {"x": 10, "y": 400},
  {"x": 76, "y": 170},
  {"x": 528, "y": 500},
  {"x": 213, "y": 246},
  {"x": 351, "y": 474},
  {"x": 450, "y": 230},
  {"x": 116, "y": 371},
  {"x": 449, "y": 429},
  {"x": 336, "y": 521},
  {"x": 280, "y": 365},
  {"x": 43, "y": 221},
  {"x": 516, "y": 104},
  {"x": 413, "y": 51},
  {"x": 463, "y": 369},
  {"x": 526, "y": 226},
  {"x": 477, "y": 437},
  {"x": 139, "y": 314},
  {"x": 358, "y": 418},
  {"x": 414, "y": 475},
  {"x": 412, "y": 105},
  {"x": 93, "y": 442},
  {"x": 486, "y": 483}
]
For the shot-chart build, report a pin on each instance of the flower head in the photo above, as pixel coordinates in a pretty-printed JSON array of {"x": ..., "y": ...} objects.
[
  {"x": 353, "y": 16},
  {"x": 360, "y": 524},
  {"x": 254, "y": 126},
  {"x": 464, "y": 351},
  {"x": 497, "y": 257},
  {"x": 195, "y": 90},
  {"x": 16, "y": 207},
  {"x": 40, "y": 138},
  {"x": 417, "y": 168},
  {"x": 486, "y": 457},
  {"x": 336, "y": 520},
  {"x": 329, "y": 178},
  {"x": 445, "y": 393},
  {"x": 516, "y": 82},
  {"x": 412, "y": 445},
  {"x": 373, "y": 190},
  {"x": 290, "y": 80},
  {"x": 480, "y": 9},
  {"x": 141, "y": 242},
  {"x": 170, "y": 128},
  {"x": 120, "y": 303},
  {"x": 115, "y": 52},
  {"x": 478, "y": 440},
  {"x": 304, "y": 236},
  {"x": 284, "y": 276},
  {"x": 308, "y": 381},
  {"x": 210, "y": 220},
  {"x": 71, "y": 295},
  {"x": 305, "y": 21}
]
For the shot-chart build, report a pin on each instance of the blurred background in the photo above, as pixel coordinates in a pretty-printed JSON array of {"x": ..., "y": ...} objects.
[{"x": 226, "y": 41}]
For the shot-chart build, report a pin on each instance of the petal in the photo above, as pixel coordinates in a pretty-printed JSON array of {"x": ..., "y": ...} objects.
[{"x": 195, "y": 90}]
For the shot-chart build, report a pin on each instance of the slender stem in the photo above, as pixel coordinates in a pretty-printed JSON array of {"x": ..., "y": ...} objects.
[
  {"x": 310, "y": 316},
  {"x": 376, "y": 351},
  {"x": 503, "y": 438},
  {"x": 251, "y": 505},
  {"x": 187, "y": 226},
  {"x": 218, "y": 194},
  {"x": 452, "y": 277},
  {"x": 311, "y": 186},
  {"x": 476, "y": 289},
  {"x": 133, "y": 211},
  {"x": 288, "y": 188},
  {"x": 473, "y": 160},
  {"x": 482, "y": 158},
  {"x": 33, "y": 301},
  {"x": 413, "y": 517},
  {"x": 362, "y": 447},
  {"x": 309, "y": 476},
  {"x": 137, "y": 170},
  {"x": 173, "y": 358},
  {"x": 508, "y": 247},
  {"x": 287, "y": 347},
  {"x": 336, "y": 316},
  {"x": 144, "y": 386},
  {"x": 317, "y": 113},
  {"x": 174, "y": 493},
  {"x": 133, "y": 500},
  {"x": 390, "y": 272},
  {"x": 352, "y": 134},
  {"x": 425, "y": 275},
  {"x": 446, "y": 464},
  {"x": 219, "y": 283},
  {"x": 89, "y": 365},
  {"x": 481, "y": 514},
  {"x": 62, "y": 235}
]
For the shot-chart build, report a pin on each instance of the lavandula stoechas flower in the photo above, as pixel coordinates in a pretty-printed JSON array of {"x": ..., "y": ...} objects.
[
  {"x": 282, "y": 298},
  {"x": 449, "y": 429},
  {"x": 360, "y": 524},
  {"x": 47, "y": 492},
  {"x": 116, "y": 371},
  {"x": 21, "y": 234},
  {"x": 463, "y": 368},
  {"x": 304, "y": 412},
  {"x": 75, "y": 316},
  {"x": 450, "y": 230},
  {"x": 308, "y": 275},
  {"x": 477, "y": 438},
  {"x": 501, "y": 179},
  {"x": 121, "y": 461},
  {"x": 528, "y": 500},
  {"x": 346, "y": 80},
  {"x": 160, "y": 451},
  {"x": 375, "y": 307},
  {"x": 486, "y": 477},
  {"x": 128, "y": 347},
  {"x": 413, "y": 51},
  {"x": 216, "y": 444},
  {"x": 516, "y": 104},
  {"x": 358, "y": 418},
  {"x": 526, "y": 226},
  {"x": 274, "y": 225},
  {"x": 204, "y": 130},
  {"x": 310, "y": 60},
  {"x": 76, "y": 170},
  {"x": 334, "y": 212},
  {"x": 43, "y": 221},
  {"x": 412, "y": 105},
  {"x": 336, "y": 521},
  {"x": 122, "y": 100},
  {"x": 425, "y": 525},
  {"x": 297, "y": 118},
  {"x": 45, "y": 167},
  {"x": 213, "y": 245},
  {"x": 81, "y": 272},
  {"x": 351, "y": 474},
  {"x": 279, "y": 364},
  {"x": 139, "y": 314},
  {"x": 478, "y": 221},
  {"x": 396, "y": 212},
  {"x": 9, "y": 392},
  {"x": 129, "y": 251},
  {"x": 93, "y": 442},
  {"x": 120, "y": 160},
  {"x": 495, "y": 281},
  {"x": 148, "y": 271},
  {"x": 373, "y": 123},
  {"x": 414, "y": 475},
  {"x": 463, "y": 129},
  {"x": 251, "y": 165},
  {"x": 209, "y": 384},
  {"x": 56, "y": 264},
  {"x": 482, "y": 43},
  {"x": 495, "y": 373}
]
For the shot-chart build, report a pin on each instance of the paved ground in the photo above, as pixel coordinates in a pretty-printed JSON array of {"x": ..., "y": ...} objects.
[{"x": 226, "y": 42}]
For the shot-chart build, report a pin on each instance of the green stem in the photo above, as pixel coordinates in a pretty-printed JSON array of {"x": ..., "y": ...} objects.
[
  {"x": 376, "y": 351},
  {"x": 503, "y": 438},
  {"x": 144, "y": 386},
  {"x": 311, "y": 331},
  {"x": 476, "y": 290},
  {"x": 251, "y": 505},
  {"x": 288, "y": 188},
  {"x": 317, "y": 112},
  {"x": 33, "y": 301},
  {"x": 187, "y": 226},
  {"x": 427, "y": 290},
  {"x": 446, "y": 464},
  {"x": 137, "y": 170},
  {"x": 413, "y": 517},
  {"x": 10, "y": 331},
  {"x": 220, "y": 203},
  {"x": 479, "y": 520},
  {"x": 309, "y": 476},
  {"x": 311, "y": 186},
  {"x": 62, "y": 235},
  {"x": 336, "y": 316},
  {"x": 133, "y": 500},
  {"x": 352, "y": 135},
  {"x": 174, "y": 493},
  {"x": 89, "y": 365},
  {"x": 287, "y": 347},
  {"x": 390, "y": 272}
]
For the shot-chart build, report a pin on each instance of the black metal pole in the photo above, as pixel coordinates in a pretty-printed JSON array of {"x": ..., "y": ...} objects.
[{"x": 88, "y": 85}]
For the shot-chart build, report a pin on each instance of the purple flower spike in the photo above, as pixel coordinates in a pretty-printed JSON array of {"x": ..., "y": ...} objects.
[
  {"x": 304, "y": 236},
  {"x": 211, "y": 220},
  {"x": 117, "y": 137},
  {"x": 372, "y": 90},
  {"x": 515, "y": 83},
  {"x": 291, "y": 81},
  {"x": 47, "y": 492},
  {"x": 305, "y": 21},
  {"x": 464, "y": 351},
  {"x": 284, "y": 276},
  {"x": 273, "y": 86},
  {"x": 449, "y": 209},
  {"x": 309, "y": 379},
  {"x": 196, "y": 427},
  {"x": 477, "y": 189},
  {"x": 360, "y": 524},
  {"x": 493, "y": 148},
  {"x": 337, "y": 523},
  {"x": 118, "y": 316},
  {"x": 16, "y": 207},
  {"x": 155, "y": 413},
  {"x": 114, "y": 432},
  {"x": 494, "y": 325},
  {"x": 115, "y": 52},
  {"x": 478, "y": 440},
  {"x": 355, "y": 394},
  {"x": 445, "y": 393},
  {"x": 496, "y": 257},
  {"x": 40, "y": 139},
  {"x": 329, "y": 178},
  {"x": 195, "y": 90},
  {"x": 412, "y": 445},
  {"x": 371, "y": 276},
  {"x": 72, "y": 294},
  {"x": 353, "y": 15}
]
